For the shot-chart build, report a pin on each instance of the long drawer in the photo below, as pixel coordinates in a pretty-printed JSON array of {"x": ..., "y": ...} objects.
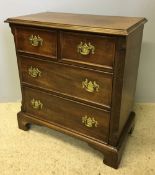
[
  {"x": 91, "y": 86},
  {"x": 78, "y": 117}
]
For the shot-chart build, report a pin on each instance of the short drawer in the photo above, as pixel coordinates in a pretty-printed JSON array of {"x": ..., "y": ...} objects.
[
  {"x": 36, "y": 41},
  {"x": 77, "y": 117},
  {"x": 89, "y": 49},
  {"x": 83, "y": 84}
]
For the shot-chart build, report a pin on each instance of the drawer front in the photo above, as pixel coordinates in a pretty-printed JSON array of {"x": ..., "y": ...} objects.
[
  {"x": 37, "y": 41},
  {"x": 92, "y": 86},
  {"x": 88, "y": 49},
  {"x": 80, "y": 118}
]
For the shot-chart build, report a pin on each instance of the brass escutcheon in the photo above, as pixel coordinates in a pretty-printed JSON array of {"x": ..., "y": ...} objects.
[
  {"x": 89, "y": 122},
  {"x": 34, "y": 72},
  {"x": 36, "y": 104},
  {"x": 35, "y": 40},
  {"x": 90, "y": 86},
  {"x": 85, "y": 49}
]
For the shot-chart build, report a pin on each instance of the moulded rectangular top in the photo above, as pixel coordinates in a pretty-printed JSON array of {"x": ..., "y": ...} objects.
[{"x": 116, "y": 25}]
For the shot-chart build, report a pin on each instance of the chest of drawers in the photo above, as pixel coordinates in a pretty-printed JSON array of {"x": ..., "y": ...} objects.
[{"x": 78, "y": 76}]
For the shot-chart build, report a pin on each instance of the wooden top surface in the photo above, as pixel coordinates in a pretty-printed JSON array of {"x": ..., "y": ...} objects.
[{"x": 91, "y": 23}]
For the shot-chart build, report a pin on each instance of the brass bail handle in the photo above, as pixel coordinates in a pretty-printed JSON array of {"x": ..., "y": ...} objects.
[
  {"x": 89, "y": 121},
  {"x": 34, "y": 72},
  {"x": 36, "y": 104},
  {"x": 85, "y": 48},
  {"x": 36, "y": 40},
  {"x": 90, "y": 86}
]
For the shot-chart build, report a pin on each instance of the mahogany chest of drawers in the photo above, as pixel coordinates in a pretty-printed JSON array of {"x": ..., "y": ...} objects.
[{"x": 78, "y": 76}]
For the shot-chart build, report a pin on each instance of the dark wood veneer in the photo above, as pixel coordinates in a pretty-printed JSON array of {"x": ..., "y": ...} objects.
[
  {"x": 104, "y": 49},
  {"x": 61, "y": 99},
  {"x": 69, "y": 115},
  {"x": 49, "y": 45},
  {"x": 68, "y": 80}
]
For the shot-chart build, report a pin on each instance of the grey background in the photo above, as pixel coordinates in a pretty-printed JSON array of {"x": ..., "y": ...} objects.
[{"x": 9, "y": 79}]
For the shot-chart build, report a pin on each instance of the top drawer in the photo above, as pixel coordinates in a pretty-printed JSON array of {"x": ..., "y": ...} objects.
[
  {"x": 88, "y": 49},
  {"x": 36, "y": 41}
]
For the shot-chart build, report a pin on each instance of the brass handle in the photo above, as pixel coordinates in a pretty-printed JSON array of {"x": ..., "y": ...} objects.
[
  {"x": 90, "y": 86},
  {"x": 36, "y": 104},
  {"x": 36, "y": 40},
  {"x": 89, "y": 122},
  {"x": 85, "y": 49},
  {"x": 34, "y": 72}
]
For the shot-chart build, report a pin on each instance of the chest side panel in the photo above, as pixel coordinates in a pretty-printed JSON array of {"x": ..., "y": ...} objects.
[{"x": 124, "y": 82}]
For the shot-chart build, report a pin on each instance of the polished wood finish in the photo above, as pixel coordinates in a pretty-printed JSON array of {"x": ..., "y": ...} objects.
[
  {"x": 114, "y": 25},
  {"x": 68, "y": 80},
  {"x": 124, "y": 84},
  {"x": 104, "y": 49},
  {"x": 52, "y": 77},
  {"x": 49, "y": 45},
  {"x": 69, "y": 115}
]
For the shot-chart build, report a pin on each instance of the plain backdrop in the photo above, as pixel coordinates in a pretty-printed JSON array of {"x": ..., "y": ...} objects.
[{"x": 9, "y": 79}]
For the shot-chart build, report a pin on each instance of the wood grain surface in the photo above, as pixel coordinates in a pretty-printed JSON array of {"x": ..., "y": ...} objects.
[
  {"x": 69, "y": 115},
  {"x": 103, "y": 55},
  {"x": 49, "y": 44},
  {"x": 82, "y": 22},
  {"x": 68, "y": 80}
]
